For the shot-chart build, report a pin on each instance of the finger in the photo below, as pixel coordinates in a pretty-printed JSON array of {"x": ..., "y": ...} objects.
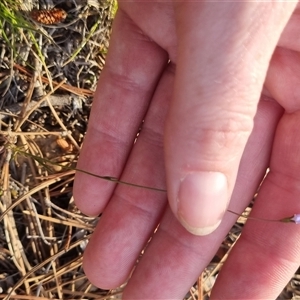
[
  {"x": 289, "y": 38},
  {"x": 132, "y": 69},
  {"x": 268, "y": 253},
  {"x": 133, "y": 213},
  {"x": 157, "y": 19},
  {"x": 175, "y": 258},
  {"x": 223, "y": 55},
  {"x": 283, "y": 77}
]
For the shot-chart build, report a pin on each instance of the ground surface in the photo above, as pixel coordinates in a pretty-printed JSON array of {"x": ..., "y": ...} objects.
[{"x": 48, "y": 73}]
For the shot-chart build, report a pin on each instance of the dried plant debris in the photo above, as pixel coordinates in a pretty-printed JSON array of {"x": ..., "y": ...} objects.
[
  {"x": 71, "y": 49},
  {"x": 51, "y": 55}
]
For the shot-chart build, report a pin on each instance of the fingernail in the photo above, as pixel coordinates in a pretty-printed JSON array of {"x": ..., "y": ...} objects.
[{"x": 202, "y": 201}]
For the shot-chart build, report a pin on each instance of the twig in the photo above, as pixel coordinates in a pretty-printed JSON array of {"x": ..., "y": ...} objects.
[
  {"x": 62, "y": 125},
  {"x": 18, "y": 126},
  {"x": 66, "y": 87},
  {"x": 39, "y": 266}
]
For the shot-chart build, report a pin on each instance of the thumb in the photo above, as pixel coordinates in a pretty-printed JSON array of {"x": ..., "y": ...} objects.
[{"x": 223, "y": 54}]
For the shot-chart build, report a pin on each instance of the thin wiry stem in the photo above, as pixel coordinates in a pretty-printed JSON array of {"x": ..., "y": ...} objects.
[{"x": 293, "y": 219}]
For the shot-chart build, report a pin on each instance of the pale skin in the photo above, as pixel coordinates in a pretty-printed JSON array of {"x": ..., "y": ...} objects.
[{"x": 225, "y": 108}]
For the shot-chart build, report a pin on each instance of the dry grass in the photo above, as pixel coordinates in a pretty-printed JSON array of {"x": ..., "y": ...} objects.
[{"x": 47, "y": 78}]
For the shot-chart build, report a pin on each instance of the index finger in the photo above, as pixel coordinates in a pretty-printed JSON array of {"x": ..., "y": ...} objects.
[{"x": 133, "y": 67}]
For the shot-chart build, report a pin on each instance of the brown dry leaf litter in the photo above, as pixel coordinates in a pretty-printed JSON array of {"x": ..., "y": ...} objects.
[{"x": 47, "y": 77}]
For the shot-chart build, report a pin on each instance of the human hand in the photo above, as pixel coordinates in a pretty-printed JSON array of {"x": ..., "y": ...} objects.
[{"x": 221, "y": 53}]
